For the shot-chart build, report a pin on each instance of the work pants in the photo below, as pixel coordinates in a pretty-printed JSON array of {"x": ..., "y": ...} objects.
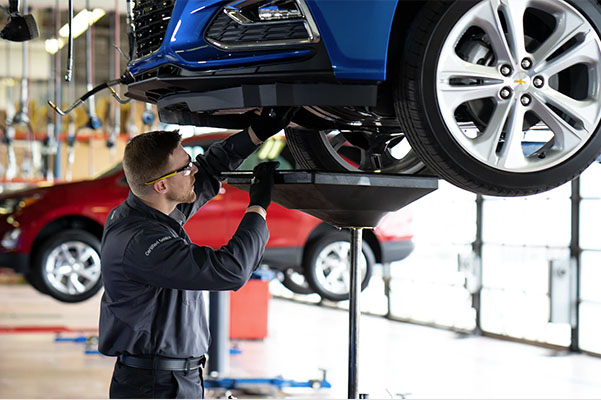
[{"x": 139, "y": 383}]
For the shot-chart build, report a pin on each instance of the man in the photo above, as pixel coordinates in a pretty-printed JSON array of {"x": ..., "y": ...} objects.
[{"x": 152, "y": 314}]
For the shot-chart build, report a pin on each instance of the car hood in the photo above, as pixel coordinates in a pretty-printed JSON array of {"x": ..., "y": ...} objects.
[{"x": 64, "y": 189}]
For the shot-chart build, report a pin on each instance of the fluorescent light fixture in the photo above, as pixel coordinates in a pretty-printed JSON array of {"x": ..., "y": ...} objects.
[
  {"x": 53, "y": 45},
  {"x": 81, "y": 22}
]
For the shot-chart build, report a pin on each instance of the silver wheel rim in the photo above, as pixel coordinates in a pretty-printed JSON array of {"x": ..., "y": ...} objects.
[
  {"x": 297, "y": 278},
  {"x": 73, "y": 268},
  {"x": 332, "y": 267},
  {"x": 506, "y": 141},
  {"x": 400, "y": 158}
]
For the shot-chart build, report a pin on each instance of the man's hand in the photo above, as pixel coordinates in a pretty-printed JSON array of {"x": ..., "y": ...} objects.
[
  {"x": 262, "y": 185},
  {"x": 271, "y": 121}
]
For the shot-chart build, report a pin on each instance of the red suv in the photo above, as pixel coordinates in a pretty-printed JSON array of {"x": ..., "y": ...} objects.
[{"x": 52, "y": 234}]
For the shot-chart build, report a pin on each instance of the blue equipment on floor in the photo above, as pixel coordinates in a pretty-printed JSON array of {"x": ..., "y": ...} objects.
[{"x": 279, "y": 382}]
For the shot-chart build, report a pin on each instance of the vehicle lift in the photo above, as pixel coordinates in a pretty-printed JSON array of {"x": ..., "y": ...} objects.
[{"x": 350, "y": 200}]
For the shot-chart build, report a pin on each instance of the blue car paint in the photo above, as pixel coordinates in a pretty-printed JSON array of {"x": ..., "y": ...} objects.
[
  {"x": 355, "y": 33},
  {"x": 184, "y": 45}
]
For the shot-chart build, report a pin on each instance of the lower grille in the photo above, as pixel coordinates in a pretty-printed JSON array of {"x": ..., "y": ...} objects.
[
  {"x": 224, "y": 31},
  {"x": 151, "y": 18}
]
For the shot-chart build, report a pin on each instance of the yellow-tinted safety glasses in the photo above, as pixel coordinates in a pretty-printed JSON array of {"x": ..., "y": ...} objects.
[{"x": 187, "y": 169}]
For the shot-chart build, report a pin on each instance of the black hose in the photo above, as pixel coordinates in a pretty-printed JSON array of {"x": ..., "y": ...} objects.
[
  {"x": 98, "y": 88},
  {"x": 69, "y": 74}
]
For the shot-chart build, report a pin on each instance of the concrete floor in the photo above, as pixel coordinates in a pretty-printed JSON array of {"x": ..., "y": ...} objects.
[{"x": 397, "y": 360}]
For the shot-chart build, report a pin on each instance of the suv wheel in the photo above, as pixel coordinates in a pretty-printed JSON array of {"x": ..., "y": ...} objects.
[
  {"x": 295, "y": 281},
  {"x": 503, "y": 97},
  {"x": 67, "y": 266},
  {"x": 344, "y": 151},
  {"x": 326, "y": 264}
]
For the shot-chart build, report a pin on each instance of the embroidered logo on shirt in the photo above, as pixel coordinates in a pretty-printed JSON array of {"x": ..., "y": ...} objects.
[{"x": 155, "y": 244}]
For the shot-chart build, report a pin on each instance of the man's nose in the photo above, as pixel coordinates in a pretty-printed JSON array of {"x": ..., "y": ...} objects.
[{"x": 194, "y": 169}]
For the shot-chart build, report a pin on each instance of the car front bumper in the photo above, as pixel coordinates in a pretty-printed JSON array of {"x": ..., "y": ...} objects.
[
  {"x": 395, "y": 251},
  {"x": 19, "y": 262}
]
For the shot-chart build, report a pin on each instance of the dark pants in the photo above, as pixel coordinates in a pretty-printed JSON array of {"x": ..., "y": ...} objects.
[{"x": 139, "y": 383}]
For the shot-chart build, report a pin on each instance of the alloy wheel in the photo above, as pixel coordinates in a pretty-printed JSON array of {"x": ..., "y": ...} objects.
[
  {"x": 519, "y": 83},
  {"x": 73, "y": 267},
  {"x": 332, "y": 267}
]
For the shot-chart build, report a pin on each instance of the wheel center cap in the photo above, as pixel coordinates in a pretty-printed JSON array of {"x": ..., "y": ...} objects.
[{"x": 521, "y": 82}]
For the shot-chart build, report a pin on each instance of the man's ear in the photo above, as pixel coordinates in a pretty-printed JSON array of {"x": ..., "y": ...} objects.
[{"x": 160, "y": 186}]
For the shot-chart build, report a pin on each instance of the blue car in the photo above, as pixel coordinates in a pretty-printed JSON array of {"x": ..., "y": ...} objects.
[{"x": 500, "y": 97}]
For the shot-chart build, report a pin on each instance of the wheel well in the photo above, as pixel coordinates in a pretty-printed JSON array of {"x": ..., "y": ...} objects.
[
  {"x": 68, "y": 222},
  {"x": 368, "y": 236},
  {"x": 405, "y": 13}
]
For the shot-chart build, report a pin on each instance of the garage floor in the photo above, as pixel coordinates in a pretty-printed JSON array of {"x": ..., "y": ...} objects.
[{"x": 397, "y": 360}]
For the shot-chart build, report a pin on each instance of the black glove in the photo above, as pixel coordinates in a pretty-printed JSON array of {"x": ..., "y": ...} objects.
[
  {"x": 271, "y": 121},
  {"x": 262, "y": 184}
]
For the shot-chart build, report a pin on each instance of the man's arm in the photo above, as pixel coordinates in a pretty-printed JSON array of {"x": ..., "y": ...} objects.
[
  {"x": 226, "y": 155},
  {"x": 156, "y": 258}
]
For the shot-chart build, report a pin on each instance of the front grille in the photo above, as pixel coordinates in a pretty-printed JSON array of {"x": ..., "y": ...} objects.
[
  {"x": 151, "y": 18},
  {"x": 225, "y": 31}
]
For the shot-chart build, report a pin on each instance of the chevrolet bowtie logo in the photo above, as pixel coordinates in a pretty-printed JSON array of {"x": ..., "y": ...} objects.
[{"x": 520, "y": 81}]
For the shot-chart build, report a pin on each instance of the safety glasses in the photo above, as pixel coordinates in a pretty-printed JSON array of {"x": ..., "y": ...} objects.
[{"x": 186, "y": 170}]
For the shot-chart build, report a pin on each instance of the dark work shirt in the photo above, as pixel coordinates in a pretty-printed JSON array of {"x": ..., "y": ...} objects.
[{"x": 154, "y": 276}]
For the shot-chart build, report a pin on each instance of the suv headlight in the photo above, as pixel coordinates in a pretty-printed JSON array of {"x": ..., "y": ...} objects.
[{"x": 12, "y": 204}]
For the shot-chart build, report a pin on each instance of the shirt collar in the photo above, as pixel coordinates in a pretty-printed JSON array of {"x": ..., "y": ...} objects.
[{"x": 136, "y": 203}]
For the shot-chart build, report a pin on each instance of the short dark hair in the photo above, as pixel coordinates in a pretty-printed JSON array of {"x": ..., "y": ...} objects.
[{"x": 147, "y": 156}]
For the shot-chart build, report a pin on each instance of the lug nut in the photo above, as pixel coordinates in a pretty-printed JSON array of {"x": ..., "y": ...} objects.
[
  {"x": 506, "y": 70},
  {"x": 505, "y": 93},
  {"x": 526, "y": 100},
  {"x": 526, "y": 63},
  {"x": 538, "y": 82}
]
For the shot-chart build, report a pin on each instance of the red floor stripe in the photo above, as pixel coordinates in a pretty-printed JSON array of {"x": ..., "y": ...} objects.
[{"x": 43, "y": 329}]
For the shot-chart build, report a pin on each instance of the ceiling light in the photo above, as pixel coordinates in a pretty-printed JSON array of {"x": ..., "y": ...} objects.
[
  {"x": 81, "y": 22},
  {"x": 53, "y": 45}
]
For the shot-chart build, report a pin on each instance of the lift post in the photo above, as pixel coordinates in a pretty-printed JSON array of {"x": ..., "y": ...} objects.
[{"x": 347, "y": 200}]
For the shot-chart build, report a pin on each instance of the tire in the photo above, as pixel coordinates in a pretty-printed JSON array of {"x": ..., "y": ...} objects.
[
  {"x": 78, "y": 281},
  {"x": 329, "y": 150},
  {"x": 452, "y": 100},
  {"x": 295, "y": 281},
  {"x": 333, "y": 248},
  {"x": 33, "y": 280}
]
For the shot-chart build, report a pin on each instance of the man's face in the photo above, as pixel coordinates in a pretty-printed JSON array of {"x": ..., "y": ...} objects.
[{"x": 181, "y": 187}]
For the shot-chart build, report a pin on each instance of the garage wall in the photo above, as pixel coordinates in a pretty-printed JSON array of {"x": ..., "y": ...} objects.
[{"x": 589, "y": 337}]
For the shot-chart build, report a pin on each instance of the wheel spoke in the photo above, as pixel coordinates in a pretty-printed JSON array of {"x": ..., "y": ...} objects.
[
  {"x": 566, "y": 136},
  {"x": 455, "y": 95},
  {"x": 453, "y": 67},
  {"x": 368, "y": 161},
  {"x": 76, "y": 284},
  {"x": 585, "y": 112},
  {"x": 488, "y": 19},
  {"x": 62, "y": 269},
  {"x": 586, "y": 52},
  {"x": 85, "y": 255},
  {"x": 65, "y": 251},
  {"x": 486, "y": 144},
  {"x": 514, "y": 15},
  {"x": 511, "y": 154},
  {"x": 89, "y": 274},
  {"x": 345, "y": 277},
  {"x": 337, "y": 141},
  {"x": 567, "y": 28}
]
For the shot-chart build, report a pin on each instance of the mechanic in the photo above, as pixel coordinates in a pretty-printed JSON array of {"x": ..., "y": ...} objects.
[{"x": 152, "y": 313}]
